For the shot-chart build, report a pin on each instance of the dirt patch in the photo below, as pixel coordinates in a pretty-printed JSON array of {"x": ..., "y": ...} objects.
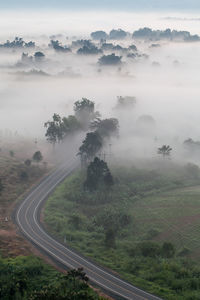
[{"x": 179, "y": 227}]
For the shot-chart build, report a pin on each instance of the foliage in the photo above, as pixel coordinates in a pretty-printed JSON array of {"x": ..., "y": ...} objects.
[
  {"x": 29, "y": 278},
  {"x": 54, "y": 131},
  {"x": 117, "y": 34},
  {"x": 59, "y": 128},
  {"x": 85, "y": 112},
  {"x": 106, "y": 128},
  {"x": 90, "y": 146},
  {"x": 39, "y": 56},
  {"x": 165, "y": 151},
  {"x": 110, "y": 59},
  {"x": 89, "y": 50},
  {"x": 17, "y": 43},
  {"x": 98, "y": 173},
  {"x": 168, "y": 250},
  {"x": 70, "y": 125},
  {"x": 58, "y": 47},
  {"x": 99, "y": 35},
  {"x": 168, "y": 34},
  {"x": 37, "y": 156}
]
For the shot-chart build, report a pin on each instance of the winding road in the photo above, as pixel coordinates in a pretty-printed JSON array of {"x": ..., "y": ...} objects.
[{"x": 27, "y": 217}]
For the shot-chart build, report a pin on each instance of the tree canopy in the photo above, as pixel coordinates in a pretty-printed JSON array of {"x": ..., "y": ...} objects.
[
  {"x": 90, "y": 146},
  {"x": 110, "y": 59},
  {"x": 98, "y": 173},
  {"x": 56, "y": 45},
  {"x": 37, "y": 156},
  {"x": 99, "y": 35},
  {"x": 85, "y": 112},
  {"x": 165, "y": 151},
  {"x": 107, "y": 127}
]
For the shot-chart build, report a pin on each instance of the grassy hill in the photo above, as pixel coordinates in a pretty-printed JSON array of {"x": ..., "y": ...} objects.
[{"x": 146, "y": 227}]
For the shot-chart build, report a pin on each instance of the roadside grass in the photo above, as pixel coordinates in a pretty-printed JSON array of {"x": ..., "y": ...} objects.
[{"x": 162, "y": 208}]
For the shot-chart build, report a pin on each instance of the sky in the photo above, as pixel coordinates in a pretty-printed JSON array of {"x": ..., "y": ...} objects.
[{"x": 179, "y": 5}]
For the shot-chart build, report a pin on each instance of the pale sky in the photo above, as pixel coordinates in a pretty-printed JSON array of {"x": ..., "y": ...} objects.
[{"x": 103, "y": 4}]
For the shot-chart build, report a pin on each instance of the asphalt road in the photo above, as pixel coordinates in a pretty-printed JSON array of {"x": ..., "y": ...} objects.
[{"x": 27, "y": 217}]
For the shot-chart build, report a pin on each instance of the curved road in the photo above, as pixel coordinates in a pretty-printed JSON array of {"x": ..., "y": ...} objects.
[{"x": 27, "y": 217}]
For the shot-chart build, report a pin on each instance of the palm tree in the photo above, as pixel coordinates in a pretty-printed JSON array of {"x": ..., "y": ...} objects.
[{"x": 165, "y": 151}]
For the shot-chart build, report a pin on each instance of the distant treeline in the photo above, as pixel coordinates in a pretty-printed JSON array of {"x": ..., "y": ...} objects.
[{"x": 147, "y": 34}]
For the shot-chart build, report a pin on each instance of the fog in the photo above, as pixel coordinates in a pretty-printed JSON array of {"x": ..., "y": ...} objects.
[{"x": 166, "y": 84}]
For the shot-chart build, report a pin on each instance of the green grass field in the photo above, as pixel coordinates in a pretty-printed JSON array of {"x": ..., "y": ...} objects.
[{"x": 160, "y": 207}]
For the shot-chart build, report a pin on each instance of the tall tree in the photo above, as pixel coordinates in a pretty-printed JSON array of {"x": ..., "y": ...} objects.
[
  {"x": 98, "y": 173},
  {"x": 85, "y": 112},
  {"x": 90, "y": 146},
  {"x": 54, "y": 131}
]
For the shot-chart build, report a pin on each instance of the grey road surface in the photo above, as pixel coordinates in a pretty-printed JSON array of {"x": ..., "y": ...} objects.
[{"x": 27, "y": 217}]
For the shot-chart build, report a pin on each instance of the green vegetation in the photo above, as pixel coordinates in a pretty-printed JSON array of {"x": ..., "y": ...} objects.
[
  {"x": 59, "y": 128},
  {"x": 37, "y": 156},
  {"x": 98, "y": 174},
  {"x": 28, "y": 278},
  {"x": 145, "y": 227}
]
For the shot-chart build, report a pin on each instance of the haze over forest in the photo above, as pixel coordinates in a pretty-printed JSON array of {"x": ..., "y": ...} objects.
[{"x": 163, "y": 79}]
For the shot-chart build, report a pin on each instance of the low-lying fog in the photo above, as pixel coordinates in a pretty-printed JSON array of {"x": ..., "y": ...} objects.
[{"x": 166, "y": 84}]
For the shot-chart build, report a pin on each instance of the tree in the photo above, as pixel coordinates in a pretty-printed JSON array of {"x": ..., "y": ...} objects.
[
  {"x": 27, "y": 162},
  {"x": 112, "y": 220},
  {"x": 39, "y": 56},
  {"x": 54, "y": 131},
  {"x": 165, "y": 151},
  {"x": 168, "y": 250},
  {"x": 58, "y": 47},
  {"x": 37, "y": 156},
  {"x": 99, "y": 35},
  {"x": 70, "y": 125},
  {"x": 110, "y": 59},
  {"x": 150, "y": 249},
  {"x": 89, "y": 50},
  {"x": 117, "y": 34},
  {"x": 91, "y": 145},
  {"x": 59, "y": 128},
  {"x": 85, "y": 112},
  {"x": 107, "y": 127},
  {"x": 98, "y": 173}
]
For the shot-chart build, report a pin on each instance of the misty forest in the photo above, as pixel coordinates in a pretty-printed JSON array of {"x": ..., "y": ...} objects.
[{"x": 120, "y": 107}]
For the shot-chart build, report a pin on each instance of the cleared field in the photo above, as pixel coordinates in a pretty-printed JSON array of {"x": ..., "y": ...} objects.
[{"x": 175, "y": 215}]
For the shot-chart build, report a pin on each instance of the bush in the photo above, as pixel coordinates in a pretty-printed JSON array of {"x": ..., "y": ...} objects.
[
  {"x": 149, "y": 249},
  {"x": 168, "y": 250}
]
